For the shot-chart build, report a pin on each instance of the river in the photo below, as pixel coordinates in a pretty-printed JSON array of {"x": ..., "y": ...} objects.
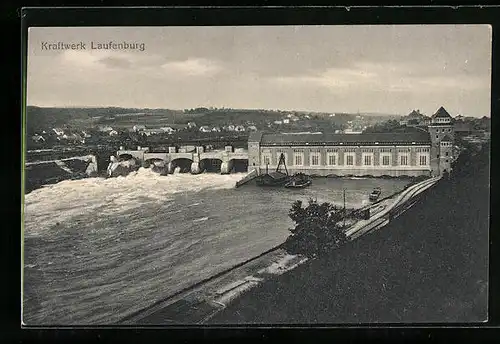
[{"x": 96, "y": 250}]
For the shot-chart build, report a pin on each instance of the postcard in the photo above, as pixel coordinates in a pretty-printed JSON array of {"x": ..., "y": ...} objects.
[{"x": 216, "y": 175}]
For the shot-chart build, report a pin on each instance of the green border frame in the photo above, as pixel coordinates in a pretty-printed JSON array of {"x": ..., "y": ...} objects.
[{"x": 24, "y": 43}]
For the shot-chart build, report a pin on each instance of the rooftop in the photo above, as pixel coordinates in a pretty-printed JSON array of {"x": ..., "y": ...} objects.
[
  {"x": 415, "y": 114},
  {"x": 441, "y": 113},
  {"x": 336, "y": 139}
]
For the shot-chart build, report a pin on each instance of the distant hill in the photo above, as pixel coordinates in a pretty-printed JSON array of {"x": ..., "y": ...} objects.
[{"x": 45, "y": 118}]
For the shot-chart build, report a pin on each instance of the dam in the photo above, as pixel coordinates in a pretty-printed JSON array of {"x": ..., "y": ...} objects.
[{"x": 195, "y": 159}]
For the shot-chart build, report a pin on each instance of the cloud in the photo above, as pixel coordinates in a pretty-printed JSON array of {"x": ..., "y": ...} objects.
[
  {"x": 110, "y": 60},
  {"x": 391, "y": 77},
  {"x": 115, "y": 62},
  {"x": 193, "y": 67},
  {"x": 81, "y": 58},
  {"x": 335, "y": 78}
]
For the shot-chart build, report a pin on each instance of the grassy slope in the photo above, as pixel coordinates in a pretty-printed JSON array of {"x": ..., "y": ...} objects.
[{"x": 428, "y": 265}]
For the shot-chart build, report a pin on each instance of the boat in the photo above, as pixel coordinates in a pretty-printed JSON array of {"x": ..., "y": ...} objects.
[
  {"x": 299, "y": 181},
  {"x": 375, "y": 194},
  {"x": 275, "y": 178},
  {"x": 298, "y": 184},
  {"x": 272, "y": 179}
]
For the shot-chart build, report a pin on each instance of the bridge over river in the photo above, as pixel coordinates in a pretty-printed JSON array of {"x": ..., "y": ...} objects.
[{"x": 197, "y": 159}]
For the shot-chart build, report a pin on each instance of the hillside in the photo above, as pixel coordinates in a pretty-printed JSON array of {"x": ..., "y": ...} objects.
[{"x": 45, "y": 118}]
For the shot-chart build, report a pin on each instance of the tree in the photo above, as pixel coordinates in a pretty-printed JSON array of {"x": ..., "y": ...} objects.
[{"x": 318, "y": 228}]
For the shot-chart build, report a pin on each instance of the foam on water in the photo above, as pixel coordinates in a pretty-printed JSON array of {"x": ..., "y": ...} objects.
[{"x": 61, "y": 202}]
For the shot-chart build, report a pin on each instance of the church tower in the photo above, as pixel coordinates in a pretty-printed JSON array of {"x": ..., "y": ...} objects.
[{"x": 442, "y": 140}]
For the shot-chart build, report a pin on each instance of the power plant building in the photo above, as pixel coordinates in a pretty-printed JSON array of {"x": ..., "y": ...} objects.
[{"x": 367, "y": 154}]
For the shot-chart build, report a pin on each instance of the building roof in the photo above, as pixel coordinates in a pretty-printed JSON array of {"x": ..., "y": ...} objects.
[
  {"x": 441, "y": 113},
  {"x": 337, "y": 139},
  {"x": 415, "y": 114},
  {"x": 446, "y": 138}
]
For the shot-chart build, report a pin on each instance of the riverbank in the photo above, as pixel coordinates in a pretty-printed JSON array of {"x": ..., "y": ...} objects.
[
  {"x": 43, "y": 167},
  {"x": 428, "y": 265}
]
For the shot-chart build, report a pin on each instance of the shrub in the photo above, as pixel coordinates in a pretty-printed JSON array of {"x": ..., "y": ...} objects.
[{"x": 318, "y": 228}]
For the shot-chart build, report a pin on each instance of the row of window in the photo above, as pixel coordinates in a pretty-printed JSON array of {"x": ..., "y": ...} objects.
[
  {"x": 332, "y": 160},
  {"x": 422, "y": 150},
  {"x": 346, "y": 150},
  {"x": 442, "y": 120}
]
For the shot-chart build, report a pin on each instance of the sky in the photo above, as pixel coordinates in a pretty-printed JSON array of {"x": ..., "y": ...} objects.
[{"x": 382, "y": 69}]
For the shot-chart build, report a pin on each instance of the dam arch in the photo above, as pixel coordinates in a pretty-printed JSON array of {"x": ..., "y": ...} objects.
[
  {"x": 125, "y": 157},
  {"x": 183, "y": 163},
  {"x": 239, "y": 165},
  {"x": 211, "y": 165}
]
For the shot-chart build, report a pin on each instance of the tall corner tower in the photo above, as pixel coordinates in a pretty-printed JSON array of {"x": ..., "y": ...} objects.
[{"x": 442, "y": 139}]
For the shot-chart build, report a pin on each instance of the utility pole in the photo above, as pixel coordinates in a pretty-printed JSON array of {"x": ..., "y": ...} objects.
[{"x": 344, "y": 209}]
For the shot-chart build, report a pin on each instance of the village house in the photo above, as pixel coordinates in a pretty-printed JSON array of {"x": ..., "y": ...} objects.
[
  {"x": 113, "y": 133},
  {"x": 38, "y": 138},
  {"x": 149, "y": 132},
  {"x": 205, "y": 129},
  {"x": 71, "y": 137},
  {"x": 191, "y": 125},
  {"x": 415, "y": 118},
  {"x": 58, "y": 131},
  {"x": 239, "y": 128},
  {"x": 168, "y": 130},
  {"x": 426, "y": 120},
  {"x": 216, "y": 129},
  {"x": 105, "y": 128},
  {"x": 138, "y": 127},
  {"x": 286, "y": 121},
  {"x": 252, "y": 128}
]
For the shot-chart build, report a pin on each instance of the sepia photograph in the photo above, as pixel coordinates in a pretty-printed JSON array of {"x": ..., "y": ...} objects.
[{"x": 256, "y": 175}]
